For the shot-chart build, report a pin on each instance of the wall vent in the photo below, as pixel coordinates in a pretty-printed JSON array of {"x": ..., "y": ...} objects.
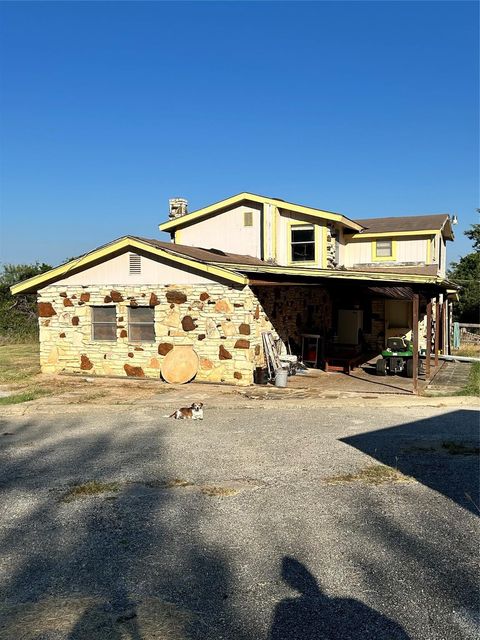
[{"x": 135, "y": 266}]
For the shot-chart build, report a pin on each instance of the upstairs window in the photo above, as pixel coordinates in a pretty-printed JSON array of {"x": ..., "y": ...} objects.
[
  {"x": 141, "y": 324},
  {"x": 135, "y": 264},
  {"x": 104, "y": 323},
  {"x": 302, "y": 242},
  {"x": 383, "y": 249}
]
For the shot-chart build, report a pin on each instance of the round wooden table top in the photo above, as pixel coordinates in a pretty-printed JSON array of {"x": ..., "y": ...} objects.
[{"x": 180, "y": 365}]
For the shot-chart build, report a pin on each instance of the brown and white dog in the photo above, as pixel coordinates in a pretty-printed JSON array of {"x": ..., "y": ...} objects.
[{"x": 193, "y": 412}]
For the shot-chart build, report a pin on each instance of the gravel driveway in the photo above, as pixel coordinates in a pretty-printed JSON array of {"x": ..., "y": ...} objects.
[{"x": 239, "y": 526}]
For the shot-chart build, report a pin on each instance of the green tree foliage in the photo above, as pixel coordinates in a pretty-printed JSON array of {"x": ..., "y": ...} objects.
[
  {"x": 466, "y": 273},
  {"x": 18, "y": 314}
]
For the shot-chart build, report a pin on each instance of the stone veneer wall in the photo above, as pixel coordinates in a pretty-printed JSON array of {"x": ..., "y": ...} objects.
[
  {"x": 288, "y": 309},
  {"x": 223, "y": 325}
]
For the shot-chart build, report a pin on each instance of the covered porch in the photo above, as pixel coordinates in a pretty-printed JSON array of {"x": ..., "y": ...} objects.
[{"x": 339, "y": 325}]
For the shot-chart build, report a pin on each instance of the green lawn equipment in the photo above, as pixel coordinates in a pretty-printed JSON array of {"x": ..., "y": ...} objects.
[{"x": 397, "y": 358}]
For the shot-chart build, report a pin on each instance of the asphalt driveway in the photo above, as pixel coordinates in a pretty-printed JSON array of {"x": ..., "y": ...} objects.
[{"x": 238, "y": 527}]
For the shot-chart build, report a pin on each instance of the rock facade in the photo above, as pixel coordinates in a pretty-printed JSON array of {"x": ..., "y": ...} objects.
[{"x": 223, "y": 324}]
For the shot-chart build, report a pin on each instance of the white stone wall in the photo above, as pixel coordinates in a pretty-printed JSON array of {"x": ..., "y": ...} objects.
[{"x": 223, "y": 324}]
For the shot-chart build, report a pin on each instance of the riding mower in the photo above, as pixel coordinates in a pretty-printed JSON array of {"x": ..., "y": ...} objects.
[{"x": 397, "y": 358}]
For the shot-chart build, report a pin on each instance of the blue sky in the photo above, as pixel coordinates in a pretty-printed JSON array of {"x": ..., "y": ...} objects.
[{"x": 109, "y": 109}]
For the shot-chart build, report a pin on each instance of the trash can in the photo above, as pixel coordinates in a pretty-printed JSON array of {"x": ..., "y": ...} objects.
[{"x": 281, "y": 376}]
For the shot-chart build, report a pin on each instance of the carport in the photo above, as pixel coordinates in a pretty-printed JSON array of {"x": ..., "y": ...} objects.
[{"x": 316, "y": 307}]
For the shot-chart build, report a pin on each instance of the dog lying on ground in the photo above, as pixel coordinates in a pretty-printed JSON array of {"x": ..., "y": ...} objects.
[{"x": 193, "y": 412}]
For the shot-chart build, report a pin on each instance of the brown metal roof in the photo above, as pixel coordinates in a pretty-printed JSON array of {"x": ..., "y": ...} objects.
[
  {"x": 418, "y": 270},
  {"x": 203, "y": 254},
  {"x": 403, "y": 223},
  {"x": 221, "y": 257}
]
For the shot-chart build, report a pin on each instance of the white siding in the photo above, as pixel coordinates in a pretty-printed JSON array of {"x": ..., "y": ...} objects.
[
  {"x": 409, "y": 250},
  {"x": 225, "y": 231},
  {"x": 412, "y": 250},
  {"x": 283, "y": 238},
  {"x": 116, "y": 271}
]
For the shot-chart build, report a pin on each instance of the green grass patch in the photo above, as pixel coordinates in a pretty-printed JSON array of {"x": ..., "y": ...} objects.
[
  {"x": 19, "y": 362},
  {"x": 24, "y": 396},
  {"x": 91, "y": 488},
  {"x": 372, "y": 474},
  {"x": 473, "y": 386}
]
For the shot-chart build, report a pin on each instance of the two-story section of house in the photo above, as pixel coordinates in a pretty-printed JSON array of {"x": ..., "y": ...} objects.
[
  {"x": 406, "y": 241},
  {"x": 233, "y": 271},
  {"x": 288, "y": 234}
]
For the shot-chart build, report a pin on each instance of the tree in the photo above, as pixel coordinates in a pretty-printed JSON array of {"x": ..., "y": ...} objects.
[
  {"x": 18, "y": 314},
  {"x": 466, "y": 273}
]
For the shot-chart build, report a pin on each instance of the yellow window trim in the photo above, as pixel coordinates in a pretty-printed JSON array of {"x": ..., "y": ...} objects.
[
  {"x": 34, "y": 283},
  {"x": 192, "y": 217},
  {"x": 316, "y": 237},
  {"x": 391, "y": 258}
]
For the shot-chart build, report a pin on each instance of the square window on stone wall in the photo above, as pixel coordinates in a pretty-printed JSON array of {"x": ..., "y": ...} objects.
[
  {"x": 104, "y": 323},
  {"x": 141, "y": 324}
]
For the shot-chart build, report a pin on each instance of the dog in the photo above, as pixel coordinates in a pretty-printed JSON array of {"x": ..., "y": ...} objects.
[{"x": 193, "y": 412}]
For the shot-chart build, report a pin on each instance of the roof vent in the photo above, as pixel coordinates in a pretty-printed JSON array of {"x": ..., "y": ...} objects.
[{"x": 177, "y": 207}]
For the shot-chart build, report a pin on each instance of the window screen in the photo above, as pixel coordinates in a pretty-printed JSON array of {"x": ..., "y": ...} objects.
[
  {"x": 104, "y": 323},
  {"x": 135, "y": 264},
  {"x": 384, "y": 249},
  {"x": 303, "y": 243},
  {"x": 141, "y": 327}
]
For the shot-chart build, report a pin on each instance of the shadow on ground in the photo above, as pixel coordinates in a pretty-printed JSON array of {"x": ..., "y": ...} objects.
[{"x": 421, "y": 449}]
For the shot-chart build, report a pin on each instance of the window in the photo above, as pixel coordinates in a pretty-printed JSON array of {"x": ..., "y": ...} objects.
[
  {"x": 104, "y": 323},
  {"x": 303, "y": 243},
  {"x": 135, "y": 264},
  {"x": 141, "y": 327},
  {"x": 248, "y": 218},
  {"x": 383, "y": 249}
]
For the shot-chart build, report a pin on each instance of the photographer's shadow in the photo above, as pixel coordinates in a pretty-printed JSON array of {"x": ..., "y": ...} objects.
[{"x": 314, "y": 616}]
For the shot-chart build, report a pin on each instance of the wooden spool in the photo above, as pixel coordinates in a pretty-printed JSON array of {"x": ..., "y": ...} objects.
[{"x": 180, "y": 365}]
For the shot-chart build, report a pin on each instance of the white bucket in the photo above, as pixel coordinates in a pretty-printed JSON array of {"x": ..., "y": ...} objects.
[{"x": 281, "y": 376}]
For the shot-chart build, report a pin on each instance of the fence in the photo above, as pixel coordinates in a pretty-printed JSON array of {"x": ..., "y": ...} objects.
[{"x": 465, "y": 335}]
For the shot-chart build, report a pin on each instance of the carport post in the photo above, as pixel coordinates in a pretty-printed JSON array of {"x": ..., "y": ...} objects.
[
  {"x": 415, "y": 342},
  {"x": 437, "y": 329},
  {"x": 429, "y": 338}
]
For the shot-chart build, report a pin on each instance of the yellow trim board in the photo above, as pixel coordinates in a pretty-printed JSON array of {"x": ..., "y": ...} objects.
[
  {"x": 280, "y": 204},
  {"x": 388, "y": 275},
  {"x": 389, "y": 234},
  {"x": 325, "y": 247},
  {"x": 32, "y": 284},
  {"x": 391, "y": 258}
]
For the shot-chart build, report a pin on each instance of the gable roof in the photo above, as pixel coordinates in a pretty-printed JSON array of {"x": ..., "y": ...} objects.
[
  {"x": 245, "y": 196},
  {"x": 230, "y": 267},
  {"x": 120, "y": 245},
  {"x": 406, "y": 224},
  {"x": 203, "y": 254}
]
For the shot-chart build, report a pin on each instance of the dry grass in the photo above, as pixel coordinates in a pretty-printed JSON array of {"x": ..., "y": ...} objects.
[
  {"x": 220, "y": 492},
  {"x": 372, "y": 474},
  {"x": 469, "y": 351},
  {"x": 91, "y": 488},
  {"x": 87, "y": 617},
  {"x": 18, "y": 362}
]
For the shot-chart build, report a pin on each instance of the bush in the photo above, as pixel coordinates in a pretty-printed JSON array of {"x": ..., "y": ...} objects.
[{"x": 18, "y": 314}]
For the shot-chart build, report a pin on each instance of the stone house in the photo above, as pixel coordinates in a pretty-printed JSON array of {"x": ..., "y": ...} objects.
[{"x": 232, "y": 270}]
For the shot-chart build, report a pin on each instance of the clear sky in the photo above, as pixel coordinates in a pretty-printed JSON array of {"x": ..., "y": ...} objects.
[{"x": 108, "y": 109}]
